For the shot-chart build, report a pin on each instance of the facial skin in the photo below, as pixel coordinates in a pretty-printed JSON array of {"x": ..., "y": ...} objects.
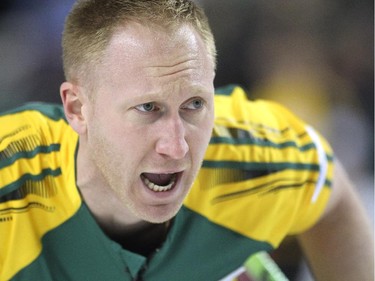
[{"x": 152, "y": 114}]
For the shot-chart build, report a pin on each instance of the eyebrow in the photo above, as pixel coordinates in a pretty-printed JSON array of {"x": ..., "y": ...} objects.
[{"x": 154, "y": 96}]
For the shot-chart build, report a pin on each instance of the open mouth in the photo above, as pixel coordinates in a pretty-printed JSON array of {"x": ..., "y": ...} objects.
[{"x": 159, "y": 182}]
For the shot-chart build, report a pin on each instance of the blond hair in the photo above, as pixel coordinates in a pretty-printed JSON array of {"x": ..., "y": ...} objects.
[{"x": 91, "y": 24}]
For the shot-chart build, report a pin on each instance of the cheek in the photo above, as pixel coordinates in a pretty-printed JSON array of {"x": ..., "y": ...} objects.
[
  {"x": 122, "y": 134},
  {"x": 208, "y": 125},
  {"x": 104, "y": 133},
  {"x": 201, "y": 136},
  {"x": 129, "y": 142},
  {"x": 108, "y": 125}
]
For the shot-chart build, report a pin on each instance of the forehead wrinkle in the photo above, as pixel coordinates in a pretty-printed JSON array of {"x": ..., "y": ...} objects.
[{"x": 183, "y": 65}]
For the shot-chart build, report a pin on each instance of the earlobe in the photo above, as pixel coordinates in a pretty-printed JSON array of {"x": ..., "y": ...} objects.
[{"x": 72, "y": 102}]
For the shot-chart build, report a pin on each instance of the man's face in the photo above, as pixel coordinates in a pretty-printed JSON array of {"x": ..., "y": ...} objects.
[{"x": 152, "y": 117}]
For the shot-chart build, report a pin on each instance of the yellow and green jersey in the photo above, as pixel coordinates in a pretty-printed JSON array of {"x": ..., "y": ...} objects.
[{"x": 265, "y": 175}]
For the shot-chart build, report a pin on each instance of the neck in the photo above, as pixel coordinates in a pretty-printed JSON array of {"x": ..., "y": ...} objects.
[
  {"x": 132, "y": 234},
  {"x": 116, "y": 221},
  {"x": 143, "y": 239}
]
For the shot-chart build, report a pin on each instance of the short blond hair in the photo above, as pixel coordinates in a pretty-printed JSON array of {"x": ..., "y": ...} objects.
[{"x": 91, "y": 24}]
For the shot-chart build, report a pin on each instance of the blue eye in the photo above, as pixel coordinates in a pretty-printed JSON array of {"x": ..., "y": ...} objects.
[
  {"x": 147, "y": 107},
  {"x": 195, "y": 104}
]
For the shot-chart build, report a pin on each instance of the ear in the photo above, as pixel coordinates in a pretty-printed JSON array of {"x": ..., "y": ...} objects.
[{"x": 73, "y": 103}]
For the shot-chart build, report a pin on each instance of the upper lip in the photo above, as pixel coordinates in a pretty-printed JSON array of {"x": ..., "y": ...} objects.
[
  {"x": 177, "y": 173},
  {"x": 166, "y": 171}
]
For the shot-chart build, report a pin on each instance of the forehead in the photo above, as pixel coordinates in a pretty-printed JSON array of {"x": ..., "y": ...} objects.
[
  {"x": 136, "y": 41},
  {"x": 137, "y": 50},
  {"x": 141, "y": 59}
]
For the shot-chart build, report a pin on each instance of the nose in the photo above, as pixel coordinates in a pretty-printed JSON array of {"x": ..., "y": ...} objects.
[{"x": 172, "y": 142}]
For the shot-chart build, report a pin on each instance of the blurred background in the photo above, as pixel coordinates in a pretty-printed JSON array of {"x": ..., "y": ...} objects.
[{"x": 316, "y": 57}]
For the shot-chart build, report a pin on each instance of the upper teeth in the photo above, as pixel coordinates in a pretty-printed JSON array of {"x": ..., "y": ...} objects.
[{"x": 159, "y": 188}]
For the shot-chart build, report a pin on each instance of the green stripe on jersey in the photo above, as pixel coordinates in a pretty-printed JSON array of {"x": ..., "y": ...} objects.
[
  {"x": 226, "y": 91},
  {"x": 259, "y": 166},
  {"x": 28, "y": 177},
  {"x": 6, "y": 161},
  {"x": 259, "y": 142},
  {"x": 53, "y": 111}
]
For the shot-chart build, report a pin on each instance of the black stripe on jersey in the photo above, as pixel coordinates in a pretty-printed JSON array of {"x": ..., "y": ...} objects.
[
  {"x": 262, "y": 189},
  {"x": 224, "y": 172},
  {"x": 41, "y": 185},
  {"x": 224, "y": 175},
  {"x": 327, "y": 183},
  {"x": 44, "y": 188},
  {"x": 25, "y": 208}
]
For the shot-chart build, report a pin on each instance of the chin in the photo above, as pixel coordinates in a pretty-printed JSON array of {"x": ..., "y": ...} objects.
[{"x": 160, "y": 214}]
